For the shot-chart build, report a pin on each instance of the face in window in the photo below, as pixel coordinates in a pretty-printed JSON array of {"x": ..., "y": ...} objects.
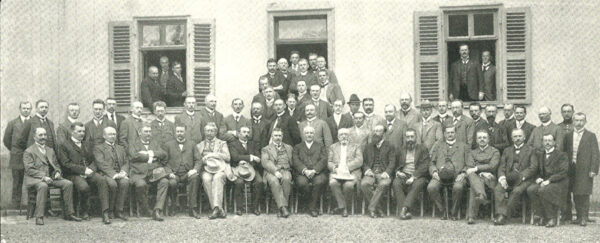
[
  {"x": 271, "y": 66},
  {"x": 164, "y": 63},
  {"x": 464, "y": 51},
  {"x": 485, "y": 57},
  {"x": 294, "y": 58},
  {"x": 282, "y": 64},
  {"x": 153, "y": 73},
  {"x": 301, "y": 86},
  {"x": 321, "y": 62},
  {"x": 312, "y": 60},
  {"x": 177, "y": 69},
  {"x": 303, "y": 65}
]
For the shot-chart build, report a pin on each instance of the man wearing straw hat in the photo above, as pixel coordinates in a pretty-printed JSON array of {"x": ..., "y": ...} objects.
[{"x": 245, "y": 161}]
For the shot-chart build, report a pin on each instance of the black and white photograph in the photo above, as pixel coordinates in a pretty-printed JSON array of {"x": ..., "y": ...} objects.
[{"x": 299, "y": 121}]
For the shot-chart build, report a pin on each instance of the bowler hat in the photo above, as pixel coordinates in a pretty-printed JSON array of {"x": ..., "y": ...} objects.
[
  {"x": 447, "y": 171},
  {"x": 354, "y": 99},
  {"x": 158, "y": 173},
  {"x": 513, "y": 178},
  {"x": 213, "y": 165},
  {"x": 244, "y": 171}
]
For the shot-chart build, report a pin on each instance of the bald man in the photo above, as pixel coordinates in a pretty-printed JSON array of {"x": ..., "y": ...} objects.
[
  {"x": 547, "y": 127},
  {"x": 152, "y": 90},
  {"x": 209, "y": 114}
]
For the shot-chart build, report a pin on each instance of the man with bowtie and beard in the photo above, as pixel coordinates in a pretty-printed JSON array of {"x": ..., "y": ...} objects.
[{"x": 181, "y": 169}]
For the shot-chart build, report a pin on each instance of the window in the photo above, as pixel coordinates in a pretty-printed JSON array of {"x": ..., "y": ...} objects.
[
  {"x": 442, "y": 71},
  {"x": 180, "y": 46},
  {"x": 304, "y": 31}
]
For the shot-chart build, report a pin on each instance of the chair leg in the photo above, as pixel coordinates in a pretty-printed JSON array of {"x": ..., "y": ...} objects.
[
  {"x": 523, "y": 210},
  {"x": 388, "y": 202},
  {"x": 421, "y": 195},
  {"x": 296, "y": 203},
  {"x": 353, "y": 198},
  {"x": 446, "y": 202},
  {"x": 558, "y": 217},
  {"x": 321, "y": 205},
  {"x": 492, "y": 206},
  {"x": 246, "y": 197}
]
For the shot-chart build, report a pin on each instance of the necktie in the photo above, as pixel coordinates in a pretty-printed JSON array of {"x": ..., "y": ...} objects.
[
  {"x": 390, "y": 126},
  {"x": 43, "y": 120},
  {"x": 245, "y": 145}
]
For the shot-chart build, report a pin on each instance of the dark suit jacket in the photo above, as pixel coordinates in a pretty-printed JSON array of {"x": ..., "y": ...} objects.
[
  {"x": 497, "y": 136},
  {"x": 63, "y": 132},
  {"x": 129, "y": 131},
  {"x": 296, "y": 116},
  {"x": 588, "y": 159},
  {"x": 193, "y": 131},
  {"x": 345, "y": 122},
  {"x": 232, "y": 125},
  {"x": 481, "y": 124},
  {"x": 525, "y": 168},
  {"x": 395, "y": 136},
  {"x": 289, "y": 127},
  {"x": 387, "y": 156},
  {"x": 488, "y": 82},
  {"x": 151, "y": 91},
  {"x": 268, "y": 112},
  {"x": 73, "y": 159},
  {"x": 458, "y": 154},
  {"x": 527, "y": 128},
  {"x": 261, "y": 132},
  {"x": 106, "y": 162},
  {"x": 206, "y": 117},
  {"x": 278, "y": 79},
  {"x": 313, "y": 158},
  {"x": 162, "y": 134},
  {"x": 175, "y": 87},
  {"x": 38, "y": 165},
  {"x": 239, "y": 153},
  {"x": 422, "y": 160},
  {"x": 555, "y": 169},
  {"x": 139, "y": 162},
  {"x": 10, "y": 140},
  {"x": 445, "y": 123},
  {"x": 177, "y": 157},
  {"x": 473, "y": 79},
  {"x": 310, "y": 78},
  {"x": 120, "y": 119},
  {"x": 28, "y": 131},
  {"x": 94, "y": 135}
]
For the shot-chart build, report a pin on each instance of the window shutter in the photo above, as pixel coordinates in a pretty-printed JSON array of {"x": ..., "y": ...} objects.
[
  {"x": 121, "y": 74},
  {"x": 517, "y": 85},
  {"x": 202, "y": 58},
  {"x": 427, "y": 36}
]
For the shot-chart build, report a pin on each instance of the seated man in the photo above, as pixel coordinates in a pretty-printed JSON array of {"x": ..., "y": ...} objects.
[
  {"x": 247, "y": 153},
  {"x": 552, "y": 185},
  {"x": 482, "y": 164},
  {"x": 448, "y": 160},
  {"x": 514, "y": 176},
  {"x": 379, "y": 164},
  {"x": 212, "y": 157},
  {"x": 411, "y": 173},
  {"x": 42, "y": 170},
  {"x": 276, "y": 159},
  {"x": 310, "y": 164},
  {"x": 112, "y": 163},
  {"x": 145, "y": 156},
  {"x": 344, "y": 162},
  {"x": 77, "y": 161},
  {"x": 180, "y": 167}
]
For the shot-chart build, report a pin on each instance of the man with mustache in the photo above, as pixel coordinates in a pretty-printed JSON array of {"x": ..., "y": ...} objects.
[
  {"x": 547, "y": 127},
  {"x": 276, "y": 159},
  {"x": 481, "y": 167},
  {"x": 465, "y": 78},
  {"x": 245, "y": 152},
  {"x": 64, "y": 129},
  {"x": 379, "y": 164},
  {"x": 371, "y": 119},
  {"x": 344, "y": 159},
  {"x": 310, "y": 167},
  {"x": 411, "y": 173},
  {"x": 94, "y": 129},
  {"x": 406, "y": 112}
]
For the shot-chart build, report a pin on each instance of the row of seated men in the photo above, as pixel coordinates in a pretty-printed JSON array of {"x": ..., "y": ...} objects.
[{"x": 365, "y": 129}]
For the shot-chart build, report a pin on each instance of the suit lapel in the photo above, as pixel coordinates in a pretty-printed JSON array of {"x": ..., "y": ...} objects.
[{"x": 42, "y": 157}]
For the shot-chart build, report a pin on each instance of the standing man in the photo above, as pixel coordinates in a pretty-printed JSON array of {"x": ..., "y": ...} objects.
[
  {"x": 176, "y": 87},
  {"x": 443, "y": 117},
  {"x": 63, "y": 130},
  {"x": 520, "y": 123},
  {"x": 338, "y": 120},
  {"x": 111, "y": 113},
  {"x": 465, "y": 76},
  {"x": 496, "y": 131},
  {"x": 371, "y": 119},
  {"x": 411, "y": 173},
  {"x": 40, "y": 119},
  {"x": 448, "y": 160},
  {"x": 552, "y": 185},
  {"x": 274, "y": 79},
  {"x": 547, "y": 127},
  {"x": 464, "y": 126},
  {"x": 10, "y": 140},
  {"x": 309, "y": 161},
  {"x": 42, "y": 170},
  {"x": 323, "y": 108},
  {"x": 322, "y": 133},
  {"x": 212, "y": 157},
  {"x": 354, "y": 104},
  {"x": 407, "y": 114},
  {"x": 303, "y": 95},
  {"x": 210, "y": 114},
  {"x": 94, "y": 134},
  {"x": 567, "y": 111},
  {"x": 181, "y": 169},
  {"x": 488, "y": 78},
  {"x": 191, "y": 120},
  {"x": 304, "y": 75},
  {"x": 478, "y": 122},
  {"x": 165, "y": 72},
  {"x": 163, "y": 130},
  {"x": 515, "y": 174},
  {"x": 429, "y": 131},
  {"x": 130, "y": 128},
  {"x": 260, "y": 126},
  {"x": 78, "y": 166},
  {"x": 322, "y": 65},
  {"x": 481, "y": 168},
  {"x": 234, "y": 121},
  {"x": 113, "y": 164},
  {"x": 292, "y": 109},
  {"x": 146, "y": 156},
  {"x": 312, "y": 60},
  {"x": 359, "y": 133},
  {"x": 395, "y": 127},
  {"x": 344, "y": 162},
  {"x": 581, "y": 147},
  {"x": 276, "y": 159},
  {"x": 379, "y": 164},
  {"x": 331, "y": 91},
  {"x": 266, "y": 98},
  {"x": 287, "y": 124},
  {"x": 246, "y": 153},
  {"x": 152, "y": 88},
  {"x": 509, "y": 116},
  {"x": 294, "y": 58}
]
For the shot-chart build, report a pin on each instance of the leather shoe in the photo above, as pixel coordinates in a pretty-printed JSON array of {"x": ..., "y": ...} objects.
[
  {"x": 538, "y": 221},
  {"x": 214, "y": 214},
  {"x": 590, "y": 220},
  {"x": 551, "y": 223},
  {"x": 51, "y": 213},
  {"x": 256, "y": 212},
  {"x": 314, "y": 213},
  {"x": 453, "y": 218},
  {"x": 111, "y": 215},
  {"x": 192, "y": 213},
  {"x": 39, "y": 221},
  {"x": 120, "y": 215},
  {"x": 583, "y": 223},
  {"x": 284, "y": 212},
  {"x": 85, "y": 216},
  {"x": 156, "y": 215},
  {"x": 500, "y": 220},
  {"x": 372, "y": 214},
  {"x": 345, "y": 213},
  {"x": 238, "y": 213},
  {"x": 577, "y": 221},
  {"x": 470, "y": 221},
  {"x": 404, "y": 214},
  {"x": 222, "y": 213},
  {"x": 443, "y": 217},
  {"x": 105, "y": 218},
  {"x": 72, "y": 217}
]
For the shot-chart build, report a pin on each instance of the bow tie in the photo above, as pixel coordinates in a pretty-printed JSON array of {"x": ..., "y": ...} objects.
[{"x": 146, "y": 143}]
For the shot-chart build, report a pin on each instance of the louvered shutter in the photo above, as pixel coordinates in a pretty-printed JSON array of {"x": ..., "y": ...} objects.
[
  {"x": 427, "y": 37},
  {"x": 517, "y": 86},
  {"x": 120, "y": 63},
  {"x": 202, "y": 40}
]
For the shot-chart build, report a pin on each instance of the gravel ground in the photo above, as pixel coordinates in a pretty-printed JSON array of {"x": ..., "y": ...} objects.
[{"x": 303, "y": 228}]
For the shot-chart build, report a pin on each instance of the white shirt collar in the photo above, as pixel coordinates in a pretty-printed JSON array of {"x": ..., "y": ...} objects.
[
  {"x": 336, "y": 115},
  {"x": 370, "y": 115},
  {"x": 257, "y": 117},
  {"x": 209, "y": 110},
  {"x": 110, "y": 144},
  {"x": 443, "y": 115},
  {"x": 451, "y": 142},
  {"x": 75, "y": 140},
  {"x": 304, "y": 73},
  {"x": 23, "y": 118},
  {"x": 161, "y": 121},
  {"x": 190, "y": 113},
  {"x": 135, "y": 116},
  {"x": 550, "y": 151},
  {"x": 390, "y": 122},
  {"x": 579, "y": 131},
  {"x": 236, "y": 115},
  {"x": 511, "y": 117},
  {"x": 547, "y": 123},
  {"x": 308, "y": 144},
  {"x": 281, "y": 113},
  {"x": 302, "y": 93},
  {"x": 484, "y": 148},
  {"x": 71, "y": 119},
  {"x": 311, "y": 119},
  {"x": 40, "y": 116},
  {"x": 519, "y": 147},
  {"x": 407, "y": 110}
]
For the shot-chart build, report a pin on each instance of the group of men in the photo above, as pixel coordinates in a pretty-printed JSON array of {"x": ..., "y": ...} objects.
[
  {"x": 297, "y": 134},
  {"x": 166, "y": 84}
]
